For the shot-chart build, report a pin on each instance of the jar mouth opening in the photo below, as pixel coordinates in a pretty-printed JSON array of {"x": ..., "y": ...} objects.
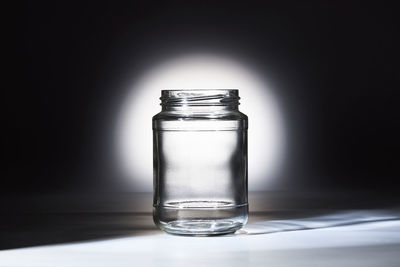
[{"x": 200, "y": 97}]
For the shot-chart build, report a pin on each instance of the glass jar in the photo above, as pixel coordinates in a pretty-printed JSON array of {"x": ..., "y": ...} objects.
[{"x": 200, "y": 162}]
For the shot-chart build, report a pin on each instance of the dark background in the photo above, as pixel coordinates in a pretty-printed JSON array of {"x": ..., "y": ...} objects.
[{"x": 335, "y": 62}]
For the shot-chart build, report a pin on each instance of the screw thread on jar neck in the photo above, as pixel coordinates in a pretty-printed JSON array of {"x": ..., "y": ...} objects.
[{"x": 199, "y": 99}]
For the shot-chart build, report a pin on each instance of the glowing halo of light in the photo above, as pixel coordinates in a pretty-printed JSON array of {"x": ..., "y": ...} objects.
[{"x": 133, "y": 134}]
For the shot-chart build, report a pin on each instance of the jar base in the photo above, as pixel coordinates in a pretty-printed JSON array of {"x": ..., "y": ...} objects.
[
  {"x": 201, "y": 221},
  {"x": 201, "y": 227}
]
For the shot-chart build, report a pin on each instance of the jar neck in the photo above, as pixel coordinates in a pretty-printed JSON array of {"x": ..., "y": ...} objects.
[
  {"x": 198, "y": 100},
  {"x": 200, "y": 109}
]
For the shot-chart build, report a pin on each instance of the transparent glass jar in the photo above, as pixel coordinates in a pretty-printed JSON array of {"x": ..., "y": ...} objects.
[{"x": 200, "y": 162}]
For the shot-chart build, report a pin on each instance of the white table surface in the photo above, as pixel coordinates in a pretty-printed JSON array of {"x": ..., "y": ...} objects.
[{"x": 351, "y": 237}]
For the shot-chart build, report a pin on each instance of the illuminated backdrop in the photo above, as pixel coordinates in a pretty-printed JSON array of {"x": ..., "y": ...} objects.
[{"x": 133, "y": 136}]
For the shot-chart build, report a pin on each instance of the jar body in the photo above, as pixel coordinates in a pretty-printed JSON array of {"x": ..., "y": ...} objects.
[{"x": 200, "y": 169}]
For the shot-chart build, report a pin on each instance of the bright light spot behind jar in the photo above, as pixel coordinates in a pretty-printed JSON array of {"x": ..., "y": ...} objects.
[{"x": 200, "y": 71}]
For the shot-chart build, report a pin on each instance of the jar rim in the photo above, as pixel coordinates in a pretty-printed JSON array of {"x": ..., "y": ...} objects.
[{"x": 200, "y": 89}]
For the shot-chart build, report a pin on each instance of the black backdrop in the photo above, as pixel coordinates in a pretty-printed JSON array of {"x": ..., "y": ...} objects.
[{"x": 66, "y": 62}]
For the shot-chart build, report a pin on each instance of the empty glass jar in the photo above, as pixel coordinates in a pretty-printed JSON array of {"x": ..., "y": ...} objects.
[{"x": 200, "y": 162}]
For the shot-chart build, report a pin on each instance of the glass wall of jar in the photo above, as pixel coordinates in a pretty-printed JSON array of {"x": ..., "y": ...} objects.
[{"x": 200, "y": 162}]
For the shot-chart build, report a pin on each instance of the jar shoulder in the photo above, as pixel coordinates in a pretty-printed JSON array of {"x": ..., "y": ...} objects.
[{"x": 226, "y": 115}]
